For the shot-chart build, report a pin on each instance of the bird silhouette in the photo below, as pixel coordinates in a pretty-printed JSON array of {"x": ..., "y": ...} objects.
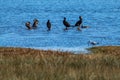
[
  {"x": 66, "y": 24},
  {"x": 35, "y": 23},
  {"x": 49, "y": 25},
  {"x": 79, "y": 22},
  {"x": 27, "y": 24}
]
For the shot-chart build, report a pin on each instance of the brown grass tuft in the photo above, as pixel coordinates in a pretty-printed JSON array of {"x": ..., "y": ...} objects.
[{"x": 29, "y": 64}]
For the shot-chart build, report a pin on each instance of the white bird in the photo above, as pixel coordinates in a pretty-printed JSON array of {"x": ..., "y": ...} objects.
[{"x": 92, "y": 43}]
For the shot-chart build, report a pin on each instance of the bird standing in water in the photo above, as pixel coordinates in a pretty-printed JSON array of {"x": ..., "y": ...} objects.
[
  {"x": 79, "y": 22},
  {"x": 93, "y": 43},
  {"x": 49, "y": 25},
  {"x": 66, "y": 24},
  {"x": 35, "y": 23},
  {"x": 27, "y": 24}
]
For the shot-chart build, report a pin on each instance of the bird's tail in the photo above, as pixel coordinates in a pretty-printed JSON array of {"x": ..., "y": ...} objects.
[{"x": 76, "y": 26}]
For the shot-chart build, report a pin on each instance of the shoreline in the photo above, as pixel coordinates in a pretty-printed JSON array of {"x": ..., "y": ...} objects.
[
  {"x": 78, "y": 50},
  {"x": 103, "y": 63},
  {"x": 75, "y": 50}
]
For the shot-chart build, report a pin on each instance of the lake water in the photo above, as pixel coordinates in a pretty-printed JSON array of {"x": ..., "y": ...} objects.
[{"x": 103, "y": 17}]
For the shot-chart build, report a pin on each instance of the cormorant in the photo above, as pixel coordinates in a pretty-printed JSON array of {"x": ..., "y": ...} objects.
[
  {"x": 66, "y": 24},
  {"x": 79, "y": 22},
  {"x": 35, "y": 23},
  {"x": 48, "y": 25},
  {"x": 27, "y": 24}
]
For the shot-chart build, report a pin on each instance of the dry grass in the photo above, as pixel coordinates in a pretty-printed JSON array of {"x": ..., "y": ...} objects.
[
  {"x": 110, "y": 50},
  {"x": 30, "y": 64}
]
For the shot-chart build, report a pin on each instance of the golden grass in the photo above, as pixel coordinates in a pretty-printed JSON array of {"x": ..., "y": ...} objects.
[
  {"x": 30, "y": 64},
  {"x": 110, "y": 50}
]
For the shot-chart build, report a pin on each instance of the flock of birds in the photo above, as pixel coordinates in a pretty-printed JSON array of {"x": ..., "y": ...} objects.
[
  {"x": 78, "y": 24},
  {"x": 67, "y": 25}
]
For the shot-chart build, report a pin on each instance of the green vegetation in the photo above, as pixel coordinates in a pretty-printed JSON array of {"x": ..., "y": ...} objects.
[{"x": 103, "y": 63}]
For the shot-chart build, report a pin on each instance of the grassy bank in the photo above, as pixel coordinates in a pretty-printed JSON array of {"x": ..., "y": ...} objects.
[{"x": 103, "y": 63}]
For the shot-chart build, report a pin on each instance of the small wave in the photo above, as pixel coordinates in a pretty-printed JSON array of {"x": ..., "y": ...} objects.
[
  {"x": 10, "y": 35},
  {"x": 68, "y": 49}
]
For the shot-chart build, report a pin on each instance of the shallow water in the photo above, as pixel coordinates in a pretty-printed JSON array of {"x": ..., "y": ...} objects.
[{"x": 102, "y": 16}]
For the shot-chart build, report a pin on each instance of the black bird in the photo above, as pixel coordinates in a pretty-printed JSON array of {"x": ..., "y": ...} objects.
[
  {"x": 79, "y": 22},
  {"x": 66, "y": 24},
  {"x": 35, "y": 23},
  {"x": 27, "y": 24},
  {"x": 49, "y": 25}
]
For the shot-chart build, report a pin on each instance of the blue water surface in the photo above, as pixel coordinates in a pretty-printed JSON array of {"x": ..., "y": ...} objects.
[{"x": 103, "y": 17}]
